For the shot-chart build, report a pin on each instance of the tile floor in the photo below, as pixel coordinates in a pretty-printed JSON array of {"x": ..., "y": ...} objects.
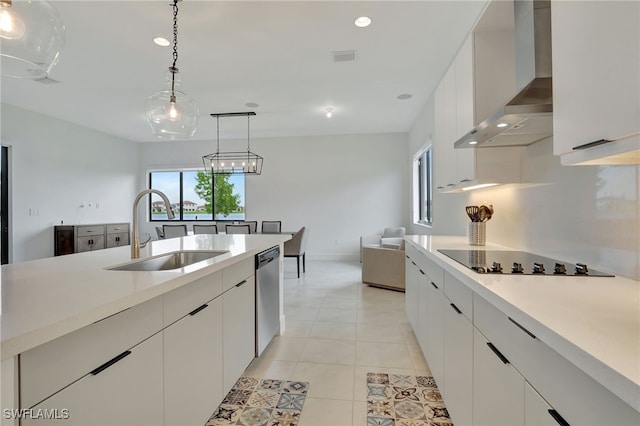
[{"x": 338, "y": 330}]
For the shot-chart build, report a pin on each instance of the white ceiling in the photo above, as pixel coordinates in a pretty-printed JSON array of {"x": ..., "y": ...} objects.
[{"x": 276, "y": 54}]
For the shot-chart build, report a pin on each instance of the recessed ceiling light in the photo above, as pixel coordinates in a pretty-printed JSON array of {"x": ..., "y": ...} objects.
[
  {"x": 473, "y": 142},
  {"x": 251, "y": 105},
  {"x": 329, "y": 112},
  {"x": 405, "y": 96},
  {"x": 501, "y": 125},
  {"x": 161, "y": 41},
  {"x": 363, "y": 21}
]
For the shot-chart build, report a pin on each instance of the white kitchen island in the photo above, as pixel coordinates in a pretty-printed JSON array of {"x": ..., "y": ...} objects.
[
  {"x": 525, "y": 349},
  {"x": 67, "y": 321}
]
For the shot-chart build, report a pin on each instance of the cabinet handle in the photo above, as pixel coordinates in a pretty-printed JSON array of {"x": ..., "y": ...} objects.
[
  {"x": 498, "y": 353},
  {"x": 422, "y": 272},
  {"x": 533, "y": 336},
  {"x": 590, "y": 144},
  {"x": 242, "y": 283},
  {"x": 465, "y": 180},
  {"x": 455, "y": 308},
  {"x": 439, "y": 187},
  {"x": 198, "y": 309},
  {"x": 558, "y": 418},
  {"x": 434, "y": 285},
  {"x": 414, "y": 263},
  {"x": 451, "y": 184},
  {"x": 110, "y": 363},
  {"x": 89, "y": 231}
]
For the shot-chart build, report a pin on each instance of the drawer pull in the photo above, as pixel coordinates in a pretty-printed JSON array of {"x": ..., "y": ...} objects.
[
  {"x": 533, "y": 336},
  {"x": 198, "y": 309},
  {"x": 414, "y": 263},
  {"x": 110, "y": 363},
  {"x": 498, "y": 353},
  {"x": 558, "y": 418},
  {"x": 434, "y": 285},
  {"x": 422, "y": 272},
  {"x": 455, "y": 308},
  {"x": 241, "y": 283},
  {"x": 591, "y": 144}
]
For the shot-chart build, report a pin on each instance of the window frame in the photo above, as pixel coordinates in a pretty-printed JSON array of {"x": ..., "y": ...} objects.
[
  {"x": 180, "y": 215},
  {"x": 423, "y": 186}
]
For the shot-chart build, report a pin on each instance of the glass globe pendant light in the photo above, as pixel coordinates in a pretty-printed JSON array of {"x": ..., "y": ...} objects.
[
  {"x": 171, "y": 113},
  {"x": 32, "y": 36}
]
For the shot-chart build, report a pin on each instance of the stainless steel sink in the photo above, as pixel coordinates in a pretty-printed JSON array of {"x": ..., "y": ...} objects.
[{"x": 169, "y": 261}]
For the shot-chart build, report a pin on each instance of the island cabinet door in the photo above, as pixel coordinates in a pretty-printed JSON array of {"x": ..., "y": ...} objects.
[
  {"x": 436, "y": 303},
  {"x": 537, "y": 412},
  {"x": 238, "y": 330},
  {"x": 411, "y": 292},
  {"x": 127, "y": 390},
  {"x": 498, "y": 388},
  {"x": 193, "y": 366}
]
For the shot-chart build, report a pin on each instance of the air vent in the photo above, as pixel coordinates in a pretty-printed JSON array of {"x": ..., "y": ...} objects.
[
  {"x": 344, "y": 56},
  {"x": 46, "y": 80}
]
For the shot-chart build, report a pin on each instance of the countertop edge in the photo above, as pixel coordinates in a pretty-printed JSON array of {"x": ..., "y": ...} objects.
[{"x": 15, "y": 345}]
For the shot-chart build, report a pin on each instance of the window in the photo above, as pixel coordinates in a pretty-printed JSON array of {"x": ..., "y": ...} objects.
[
  {"x": 424, "y": 207},
  {"x": 192, "y": 198}
]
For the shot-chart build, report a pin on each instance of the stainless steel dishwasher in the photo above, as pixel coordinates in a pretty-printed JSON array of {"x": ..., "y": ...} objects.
[{"x": 267, "y": 297}]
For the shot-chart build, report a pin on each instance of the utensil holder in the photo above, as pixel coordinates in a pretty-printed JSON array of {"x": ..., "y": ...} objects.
[{"x": 477, "y": 233}]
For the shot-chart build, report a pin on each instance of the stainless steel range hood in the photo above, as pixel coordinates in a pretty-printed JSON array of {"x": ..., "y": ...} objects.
[{"x": 527, "y": 118}]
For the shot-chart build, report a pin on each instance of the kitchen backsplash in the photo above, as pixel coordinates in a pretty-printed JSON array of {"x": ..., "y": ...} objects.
[{"x": 589, "y": 214}]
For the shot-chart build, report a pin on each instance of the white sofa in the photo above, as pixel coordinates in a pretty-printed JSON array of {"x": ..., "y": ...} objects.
[{"x": 389, "y": 238}]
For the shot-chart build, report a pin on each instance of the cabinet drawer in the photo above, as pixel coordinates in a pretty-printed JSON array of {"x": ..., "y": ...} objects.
[
  {"x": 578, "y": 398},
  {"x": 116, "y": 228},
  {"x": 237, "y": 272},
  {"x": 84, "y": 231},
  {"x": 459, "y": 294},
  {"x": 53, "y": 365},
  {"x": 183, "y": 300}
]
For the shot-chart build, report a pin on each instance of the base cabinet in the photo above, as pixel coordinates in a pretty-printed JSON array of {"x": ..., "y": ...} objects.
[
  {"x": 128, "y": 392},
  {"x": 498, "y": 389},
  {"x": 435, "y": 332},
  {"x": 411, "y": 292},
  {"x": 193, "y": 366},
  {"x": 238, "y": 330}
]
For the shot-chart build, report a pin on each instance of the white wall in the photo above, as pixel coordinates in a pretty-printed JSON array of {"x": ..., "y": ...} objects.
[
  {"x": 54, "y": 167},
  {"x": 589, "y": 214},
  {"x": 339, "y": 187}
]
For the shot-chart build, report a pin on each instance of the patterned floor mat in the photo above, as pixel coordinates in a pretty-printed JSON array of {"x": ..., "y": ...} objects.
[
  {"x": 261, "y": 402},
  {"x": 398, "y": 400}
]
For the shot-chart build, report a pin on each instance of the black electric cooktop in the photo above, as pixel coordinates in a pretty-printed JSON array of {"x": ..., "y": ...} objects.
[{"x": 519, "y": 262}]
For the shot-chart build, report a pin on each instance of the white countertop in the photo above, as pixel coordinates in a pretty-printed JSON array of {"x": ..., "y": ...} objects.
[
  {"x": 594, "y": 322},
  {"x": 47, "y": 298}
]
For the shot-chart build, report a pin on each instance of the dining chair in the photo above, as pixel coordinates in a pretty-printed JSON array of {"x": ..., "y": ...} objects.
[
  {"x": 297, "y": 247},
  {"x": 238, "y": 229},
  {"x": 253, "y": 225},
  {"x": 271, "y": 226},
  {"x": 174, "y": 231},
  {"x": 205, "y": 229}
]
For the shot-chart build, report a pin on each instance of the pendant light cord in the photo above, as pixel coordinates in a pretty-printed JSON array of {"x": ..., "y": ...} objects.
[{"x": 174, "y": 70}]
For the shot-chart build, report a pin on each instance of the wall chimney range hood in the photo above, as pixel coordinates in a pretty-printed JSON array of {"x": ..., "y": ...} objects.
[{"x": 528, "y": 117}]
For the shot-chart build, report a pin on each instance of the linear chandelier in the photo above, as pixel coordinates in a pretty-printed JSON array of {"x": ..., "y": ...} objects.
[
  {"x": 233, "y": 162},
  {"x": 171, "y": 113},
  {"x": 32, "y": 36}
]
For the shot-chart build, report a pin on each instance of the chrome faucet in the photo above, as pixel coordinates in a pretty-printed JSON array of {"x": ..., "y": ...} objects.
[{"x": 136, "y": 245}]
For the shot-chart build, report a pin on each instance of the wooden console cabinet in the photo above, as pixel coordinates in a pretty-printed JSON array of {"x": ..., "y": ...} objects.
[{"x": 80, "y": 238}]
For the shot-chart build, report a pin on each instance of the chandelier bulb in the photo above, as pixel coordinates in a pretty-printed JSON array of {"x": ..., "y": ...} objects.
[{"x": 11, "y": 25}]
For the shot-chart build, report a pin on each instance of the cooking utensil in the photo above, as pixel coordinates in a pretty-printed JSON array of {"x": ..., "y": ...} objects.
[
  {"x": 474, "y": 213},
  {"x": 485, "y": 213}
]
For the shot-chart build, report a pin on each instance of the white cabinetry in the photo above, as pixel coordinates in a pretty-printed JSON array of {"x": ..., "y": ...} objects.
[
  {"x": 192, "y": 351},
  {"x": 596, "y": 80},
  {"x": 435, "y": 331},
  {"x": 461, "y": 103},
  {"x": 193, "y": 366},
  {"x": 126, "y": 391},
  {"x": 458, "y": 351},
  {"x": 536, "y": 410},
  {"x": 238, "y": 330},
  {"x": 411, "y": 292},
  {"x": 498, "y": 389}
]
